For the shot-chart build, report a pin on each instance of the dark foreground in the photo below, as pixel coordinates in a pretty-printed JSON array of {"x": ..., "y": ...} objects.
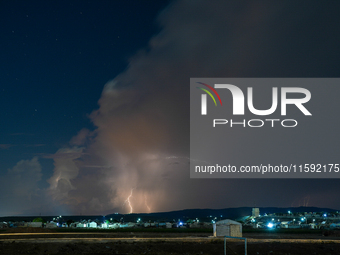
[
  {"x": 162, "y": 243},
  {"x": 163, "y": 247}
]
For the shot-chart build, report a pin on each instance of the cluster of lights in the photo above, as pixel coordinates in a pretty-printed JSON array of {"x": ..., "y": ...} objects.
[
  {"x": 271, "y": 224},
  {"x": 58, "y": 218}
]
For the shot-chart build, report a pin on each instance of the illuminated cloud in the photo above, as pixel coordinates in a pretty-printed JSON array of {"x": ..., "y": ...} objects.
[
  {"x": 81, "y": 138},
  {"x": 64, "y": 172},
  {"x": 140, "y": 146}
]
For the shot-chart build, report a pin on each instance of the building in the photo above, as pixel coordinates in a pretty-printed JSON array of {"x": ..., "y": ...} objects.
[
  {"x": 92, "y": 224},
  {"x": 227, "y": 228},
  {"x": 51, "y": 225},
  {"x": 255, "y": 212},
  {"x": 34, "y": 224},
  {"x": 81, "y": 225}
]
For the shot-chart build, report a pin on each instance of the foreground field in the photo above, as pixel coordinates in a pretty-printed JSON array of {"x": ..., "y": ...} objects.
[{"x": 163, "y": 243}]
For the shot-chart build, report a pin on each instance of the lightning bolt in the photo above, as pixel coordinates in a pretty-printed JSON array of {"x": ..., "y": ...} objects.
[
  {"x": 146, "y": 204},
  {"x": 129, "y": 202}
]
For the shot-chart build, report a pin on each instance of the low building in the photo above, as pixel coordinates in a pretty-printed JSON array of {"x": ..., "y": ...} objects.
[
  {"x": 294, "y": 226},
  {"x": 34, "y": 224},
  {"x": 114, "y": 225},
  {"x": 335, "y": 225},
  {"x": 227, "y": 228},
  {"x": 131, "y": 224},
  {"x": 51, "y": 225},
  {"x": 3, "y": 225},
  {"x": 81, "y": 225},
  {"x": 313, "y": 226},
  {"x": 91, "y": 224}
]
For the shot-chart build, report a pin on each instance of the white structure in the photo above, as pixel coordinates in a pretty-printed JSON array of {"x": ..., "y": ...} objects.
[
  {"x": 284, "y": 224},
  {"x": 114, "y": 225},
  {"x": 313, "y": 225},
  {"x": 81, "y": 225},
  {"x": 227, "y": 228},
  {"x": 51, "y": 225},
  {"x": 255, "y": 212},
  {"x": 92, "y": 224},
  {"x": 34, "y": 224},
  {"x": 131, "y": 224}
]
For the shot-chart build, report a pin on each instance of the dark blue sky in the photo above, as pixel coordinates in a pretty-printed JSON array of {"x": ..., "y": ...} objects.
[
  {"x": 56, "y": 57},
  {"x": 95, "y": 100}
]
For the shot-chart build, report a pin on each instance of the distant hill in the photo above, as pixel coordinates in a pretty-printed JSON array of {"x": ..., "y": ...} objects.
[
  {"x": 210, "y": 214},
  {"x": 206, "y": 215}
]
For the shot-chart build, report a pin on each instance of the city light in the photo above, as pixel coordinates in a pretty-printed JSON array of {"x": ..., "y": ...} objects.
[{"x": 270, "y": 225}]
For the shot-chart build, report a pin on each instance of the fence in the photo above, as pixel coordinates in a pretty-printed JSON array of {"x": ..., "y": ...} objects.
[{"x": 233, "y": 237}]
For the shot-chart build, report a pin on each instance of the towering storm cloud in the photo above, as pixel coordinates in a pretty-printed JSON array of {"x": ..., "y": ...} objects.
[{"x": 136, "y": 158}]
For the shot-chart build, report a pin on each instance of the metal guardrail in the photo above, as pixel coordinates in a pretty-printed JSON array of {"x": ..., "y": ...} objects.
[{"x": 234, "y": 237}]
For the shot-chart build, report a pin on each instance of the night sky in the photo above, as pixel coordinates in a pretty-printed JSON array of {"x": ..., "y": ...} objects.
[{"x": 95, "y": 99}]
